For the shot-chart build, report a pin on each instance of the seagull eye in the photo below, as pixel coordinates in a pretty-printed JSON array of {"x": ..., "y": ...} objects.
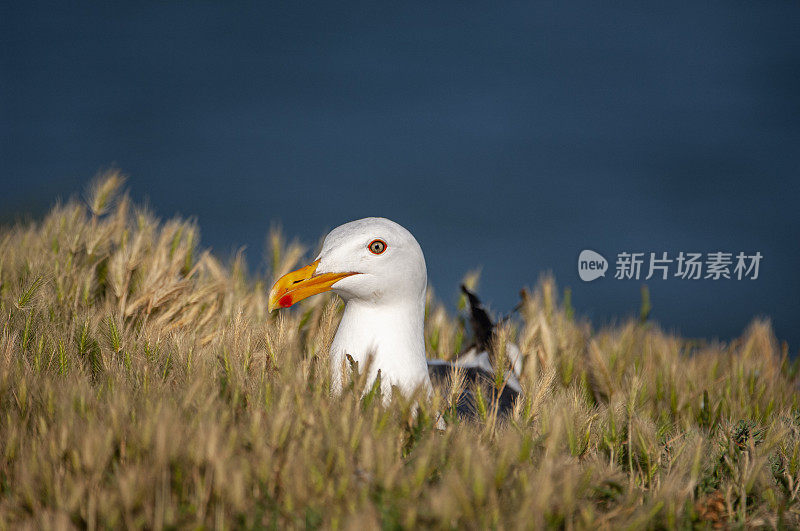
[{"x": 376, "y": 246}]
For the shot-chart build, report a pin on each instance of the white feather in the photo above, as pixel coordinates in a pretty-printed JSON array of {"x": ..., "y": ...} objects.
[{"x": 385, "y": 304}]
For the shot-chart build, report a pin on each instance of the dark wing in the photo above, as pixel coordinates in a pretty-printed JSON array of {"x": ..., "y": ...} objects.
[
  {"x": 474, "y": 375},
  {"x": 479, "y": 320},
  {"x": 441, "y": 373}
]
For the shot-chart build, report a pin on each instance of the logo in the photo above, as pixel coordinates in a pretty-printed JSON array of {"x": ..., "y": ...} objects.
[
  {"x": 591, "y": 265},
  {"x": 663, "y": 265}
]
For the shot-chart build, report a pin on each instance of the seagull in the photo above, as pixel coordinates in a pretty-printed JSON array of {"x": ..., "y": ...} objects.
[{"x": 377, "y": 267}]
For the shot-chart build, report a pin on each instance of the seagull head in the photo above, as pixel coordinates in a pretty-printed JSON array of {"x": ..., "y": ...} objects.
[{"x": 372, "y": 260}]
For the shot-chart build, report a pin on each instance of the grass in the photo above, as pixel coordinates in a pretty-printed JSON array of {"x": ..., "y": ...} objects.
[{"x": 143, "y": 384}]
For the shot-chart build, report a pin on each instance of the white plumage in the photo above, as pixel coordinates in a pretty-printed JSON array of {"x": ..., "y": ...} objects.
[{"x": 384, "y": 303}]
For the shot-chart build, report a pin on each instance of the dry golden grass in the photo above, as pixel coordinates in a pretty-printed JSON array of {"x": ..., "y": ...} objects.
[{"x": 142, "y": 384}]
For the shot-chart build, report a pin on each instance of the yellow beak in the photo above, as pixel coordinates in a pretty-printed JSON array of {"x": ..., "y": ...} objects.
[{"x": 301, "y": 283}]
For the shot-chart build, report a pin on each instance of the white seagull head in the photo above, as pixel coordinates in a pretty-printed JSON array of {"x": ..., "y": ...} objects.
[
  {"x": 372, "y": 260},
  {"x": 378, "y": 268}
]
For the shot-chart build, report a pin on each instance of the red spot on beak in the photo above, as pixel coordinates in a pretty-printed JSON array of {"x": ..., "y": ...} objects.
[{"x": 285, "y": 301}]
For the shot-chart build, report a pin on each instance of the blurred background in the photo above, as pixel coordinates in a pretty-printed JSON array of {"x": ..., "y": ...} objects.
[{"x": 508, "y": 139}]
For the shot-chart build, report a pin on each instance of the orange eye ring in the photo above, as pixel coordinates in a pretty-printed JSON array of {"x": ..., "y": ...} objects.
[{"x": 377, "y": 246}]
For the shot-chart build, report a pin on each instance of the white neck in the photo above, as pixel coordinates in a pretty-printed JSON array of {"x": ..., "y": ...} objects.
[{"x": 392, "y": 334}]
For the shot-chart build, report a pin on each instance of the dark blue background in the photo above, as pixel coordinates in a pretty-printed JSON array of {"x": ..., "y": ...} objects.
[{"x": 509, "y": 138}]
